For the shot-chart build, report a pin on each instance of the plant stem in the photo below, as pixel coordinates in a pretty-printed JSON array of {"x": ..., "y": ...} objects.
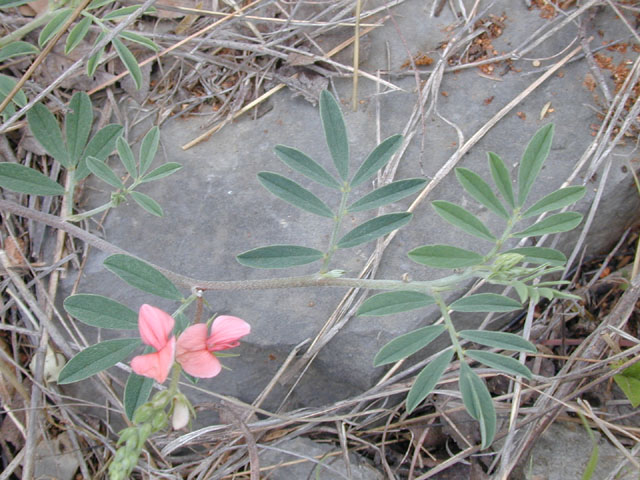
[
  {"x": 19, "y": 33},
  {"x": 314, "y": 280},
  {"x": 337, "y": 221},
  {"x": 453, "y": 335}
]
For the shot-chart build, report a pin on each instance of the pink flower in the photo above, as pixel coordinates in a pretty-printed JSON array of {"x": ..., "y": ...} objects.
[
  {"x": 195, "y": 347},
  {"x": 155, "y": 327}
]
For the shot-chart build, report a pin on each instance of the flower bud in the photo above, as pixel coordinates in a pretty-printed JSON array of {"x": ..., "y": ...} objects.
[
  {"x": 143, "y": 413},
  {"x": 181, "y": 414},
  {"x": 159, "y": 421},
  {"x": 160, "y": 399}
]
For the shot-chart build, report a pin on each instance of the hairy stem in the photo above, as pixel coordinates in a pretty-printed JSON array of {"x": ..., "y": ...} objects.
[
  {"x": 337, "y": 222},
  {"x": 314, "y": 280},
  {"x": 453, "y": 335}
]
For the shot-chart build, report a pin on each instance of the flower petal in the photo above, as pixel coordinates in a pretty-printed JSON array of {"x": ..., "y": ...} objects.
[
  {"x": 155, "y": 326},
  {"x": 193, "y": 339},
  {"x": 226, "y": 331},
  {"x": 155, "y": 365},
  {"x": 201, "y": 364}
]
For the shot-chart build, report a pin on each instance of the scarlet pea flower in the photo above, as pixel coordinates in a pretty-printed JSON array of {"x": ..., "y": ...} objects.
[
  {"x": 195, "y": 347},
  {"x": 155, "y": 327}
]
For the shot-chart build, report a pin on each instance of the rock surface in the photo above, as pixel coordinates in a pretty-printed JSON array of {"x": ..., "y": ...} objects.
[{"x": 215, "y": 208}]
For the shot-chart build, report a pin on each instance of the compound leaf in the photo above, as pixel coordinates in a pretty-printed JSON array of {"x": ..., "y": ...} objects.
[
  {"x": 293, "y": 193},
  {"x": 477, "y": 400},
  {"x": 485, "y": 302},
  {"x": 560, "y": 222},
  {"x": 463, "y": 219},
  {"x": 555, "y": 200},
  {"x": 481, "y": 191},
  {"x": 388, "y": 303},
  {"x": 427, "y": 380},
  {"x": 97, "y": 358},
  {"x": 335, "y": 132},
  {"x": 377, "y": 159},
  {"x": 374, "y": 228},
  {"x": 407, "y": 344},
  {"x": 142, "y": 276},
  {"x": 279, "y": 256},
  {"x": 46, "y": 131},
  {"x": 388, "y": 194},
  {"x": 305, "y": 165},
  {"x": 102, "y": 312},
  {"x": 444, "y": 256},
  {"x": 534, "y": 157},
  {"x": 503, "y": 340},
  {"x": 499, "y": 362},
  {"x": 501, "y": 178}
]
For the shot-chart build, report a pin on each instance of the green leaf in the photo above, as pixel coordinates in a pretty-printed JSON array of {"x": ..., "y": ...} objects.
[
  {"x": 555, "y": 200},
  {"x": 335, "y": 132},
  {"x": 102, "y": 312},
  {"x": 444, "y": 256},
  {"x": 140, "y": 40},
  {"x": 148, "y": 149},
  {"x": 78, "y": 125},
  {"x": 503, "y": 340},
  {"x": 121, "y": 12},
  {"x": 374, "y": 228},
  {"x": 427, "y": 380},
  {"x": 46, "y": 131},
  {"x": 142, "y": 276},
  {"x": 293, "y": 193},
  {"x": 500, "y": 362},
  {"x": 305, "y": 165},
  {"x": 16, "y": 49},
  {"x": 99, "y": 3},
  {"x": 407, "y": 344},
  {"x": 534, "y": 156},
  {"x": 388, "y": 194},
  {"x": 13, "y": 3},
  {"x": 101, "y": 170},
  {"x": 148, "y": 203},
  {"x": 18, "y": 178},
  {"x": 485, "y": 302},
  {"x": 560, "y": 222},
  {"x": 477, "y": 400},
  {"x": 77, "y": 34},
  {"x": 162, "y": 171},
  {"x": 521, "y": 289},
  {"x": 129, "y": 61},
  {"x": 94, "y": 60},
  {"x": 96, "y": 358},
  {"x": 7, "y": 84},
  {"x": 463, "y": 219},
  {"x": 136, "y": 392},
  {"x": 126, "y": 156},
  {"x": 388, "y": 303},
  {"x": 279, "y": 256},
  {"x": 629, "y": 382},
  {"x": 377, "y": 159},
  {"x": 501, "y": 178},
  {"x": 100, "y": 146},
  {"x": 540, "y": 255},
  {"x": 54, "y": 26},
  {"x": 481, "y": 191}
]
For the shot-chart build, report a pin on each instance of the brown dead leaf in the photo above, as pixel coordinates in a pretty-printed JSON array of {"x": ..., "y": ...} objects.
[
  {"x": 589, "y": 82},
  {"x": 34, "y": 8},
  {"x": 15, "y": 250}
]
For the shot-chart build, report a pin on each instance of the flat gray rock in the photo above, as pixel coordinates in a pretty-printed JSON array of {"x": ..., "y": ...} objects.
[{"x": 215, "y": 208}]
